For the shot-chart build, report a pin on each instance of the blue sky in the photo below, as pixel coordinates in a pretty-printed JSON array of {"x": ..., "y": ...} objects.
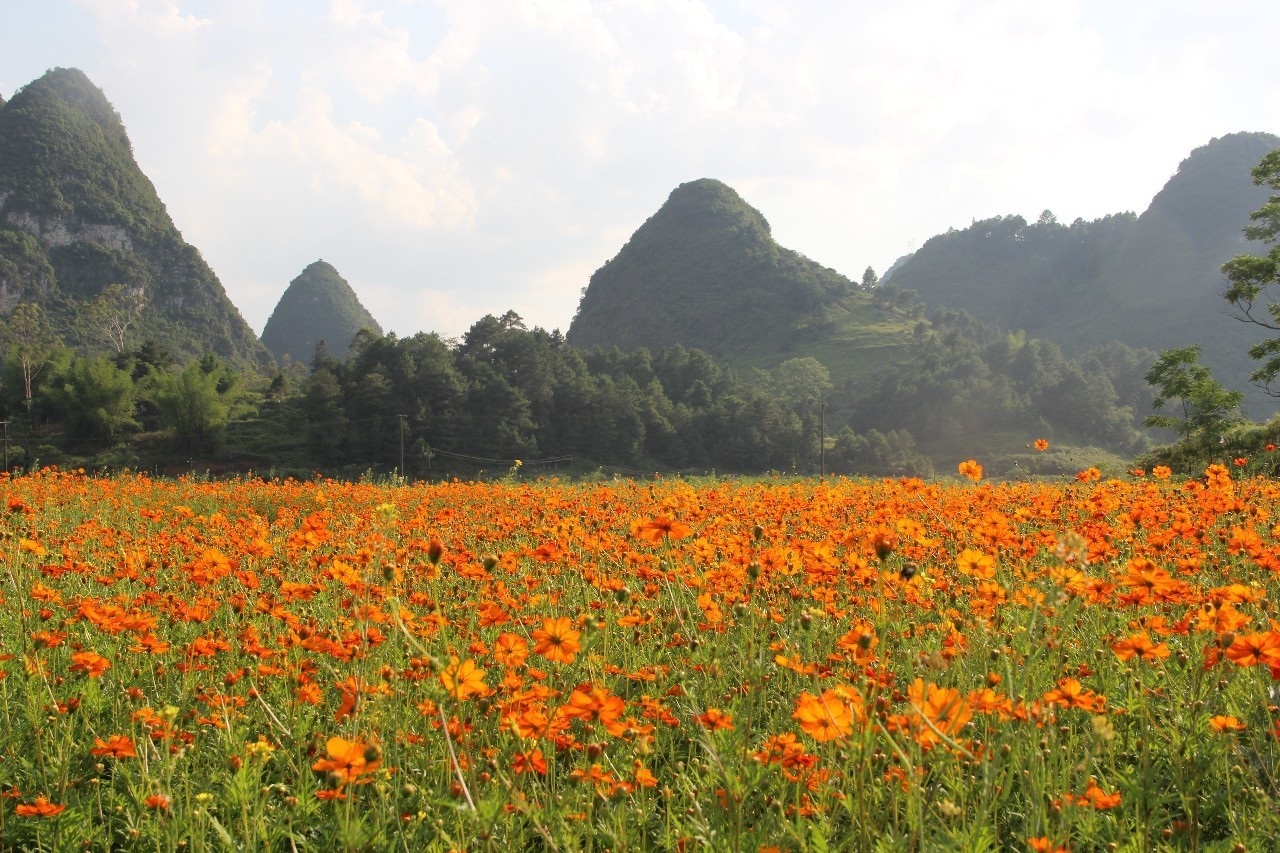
[{"x": 454, "y": 158}]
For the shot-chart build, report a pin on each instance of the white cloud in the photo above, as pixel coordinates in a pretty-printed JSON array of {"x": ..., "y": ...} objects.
[{"x": 467, "y": 157}]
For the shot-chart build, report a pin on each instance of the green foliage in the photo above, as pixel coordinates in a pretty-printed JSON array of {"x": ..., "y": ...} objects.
[
  {"x": 1147, "y": 281},
  {"x": 96, "y": 398},
  {"x": 1204, "y": 408},
  {"x": 195, "y": 403},
  {"x": 25, "y": 273},
  {"x": 1251, "y": 277},
  {"x": 28, "y": 340},
  {"x": 704, "y": 271},
  {"x": 319, "y": 305},
  {"x": 80, "y": 216},
  {"x": 110, "y": 314},
  {"x": 64, "y": 151}
]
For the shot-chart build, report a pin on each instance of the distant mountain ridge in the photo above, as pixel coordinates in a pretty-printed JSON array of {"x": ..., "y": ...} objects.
[
  {"x": 319, "y": 305},
  {"x": 77, "y": 215},
  {"x": 1151, "y": 281}
]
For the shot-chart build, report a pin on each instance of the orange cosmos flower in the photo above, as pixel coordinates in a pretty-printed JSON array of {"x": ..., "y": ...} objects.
[
  {"x": 159, "y": 802},
  {"x": 1041, "y": 445},
  {"x": 510, "y": 650},
  {"x": 464, "y": 679},
  {"x": 976, "y": 564},
  {"x": 1044, "y": 844},
  {"x": 824, "y": 717},
  {"x": 116, "y": 746},
  {"x": 971, "y": 469},
  {"x": 1098, "y": 798},
  {"x": 1141, "y": 647},
  {"x": 40, "y": 808},
  {"x": 1072, "y": 694},
  {"x": 715, "y": 719},
  {"x": 91, "y": 664},
  {"x": 661, "y": 526},
  {"x": 944, "y": 707},
  {"x": 1250, "y": 649},
  {"x": 529, "y": 762},
  {"x": 348, "y": 759},
  {"x": 596, "y": 703},
  {"x": 1225, "y": 724},
  {"x": 557, "y": 641}
]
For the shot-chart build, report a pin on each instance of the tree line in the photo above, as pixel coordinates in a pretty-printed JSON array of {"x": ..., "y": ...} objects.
[{"x": 428, "y": 407}]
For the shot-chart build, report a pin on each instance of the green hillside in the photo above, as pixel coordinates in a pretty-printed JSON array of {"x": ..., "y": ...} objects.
[
  {"x": 897, "y": 391},
  {"x": 1149, "y": 281},
  {"x": 78, "y": 216},
  {"x": 703, "y": 271},
  {"x": 319, "y": 305}
]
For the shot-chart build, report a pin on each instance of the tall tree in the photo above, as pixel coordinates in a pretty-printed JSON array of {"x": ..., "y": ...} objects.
[
  {"x": 109, "y": 315},
  {"x": 1251, "y": 276},
  {"x": 29, "y": 340},
  {"x": 1206, "y": 408}
]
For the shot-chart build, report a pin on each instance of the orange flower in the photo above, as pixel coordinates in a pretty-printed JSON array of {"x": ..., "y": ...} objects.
[
  {"x": 91, "y": 664},
  {"x": 116, "y": 746},
  {"x": 529, "y": 762},
  {"x": 976, "y": 564},
  {"x": 1041, "y": 445},
  {"x": 1044, "y": 844},
  {"x": 661, "y": 526},
  {"x": 40, "y": 808},
  {"x": 971, "y": 469},
  {"x": 510, "y": 650},
  {"x": 1098, "y": 798},
  {"x": 596, "y": 703},
  {"x": 159, "y": 802},
  {"x": 348, "y": 759},
  {"x": 557, "y": 640},
  {"x": 1072, "y": 694},
  {"x": 825, "y": 717},
  {"x": 944, "y": 708},
  {"x": 715, "y": 719},
  {"x": 1141, "y": 647},
  {"x": 463, "y": 680},
  {"x": 1250, "y": 649},
  {"x": 1225, "y": 724}
]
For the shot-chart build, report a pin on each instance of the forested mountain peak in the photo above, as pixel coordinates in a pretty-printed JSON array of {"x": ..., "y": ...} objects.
[
  {"x": 78, "y": 216},
  {"x": 319, "y": 305},
  {"x": 1151, "y": 281},
  {"x": 703, "y": 271}
]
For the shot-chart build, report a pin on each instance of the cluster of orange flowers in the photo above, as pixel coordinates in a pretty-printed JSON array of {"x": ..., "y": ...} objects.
[{"x": 539, "y": 631}]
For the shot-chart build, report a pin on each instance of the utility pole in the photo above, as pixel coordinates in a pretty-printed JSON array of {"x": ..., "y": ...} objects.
[
  {"x": 6, "y": 444},
  {"x": 402, "y": 417}
]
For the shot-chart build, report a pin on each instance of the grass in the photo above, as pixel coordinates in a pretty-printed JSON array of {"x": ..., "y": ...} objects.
[{"x": 887, "y": 665}]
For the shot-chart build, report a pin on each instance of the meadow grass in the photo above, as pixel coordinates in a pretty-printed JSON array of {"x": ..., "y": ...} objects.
[{"x": 843, "y": 665}]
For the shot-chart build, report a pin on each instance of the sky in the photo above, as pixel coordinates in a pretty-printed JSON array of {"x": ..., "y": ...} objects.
[{"x": 456, "y": 158}]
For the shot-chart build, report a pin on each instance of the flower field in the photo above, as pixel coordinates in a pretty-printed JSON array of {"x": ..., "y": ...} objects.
[{"x": 640, "y": 665}]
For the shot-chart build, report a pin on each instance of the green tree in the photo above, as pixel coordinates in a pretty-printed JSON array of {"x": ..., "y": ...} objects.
[
  {"x": 195, "y": 403},
  {"x": 28, "y": 340},
  {"x": 1205, "y": 408},
  {"x": 1250, "y": 277},
  {"x": 109, "y": 315},
  {"x": 96, "y": 398},
  {"x": 802, "y": 381}
]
